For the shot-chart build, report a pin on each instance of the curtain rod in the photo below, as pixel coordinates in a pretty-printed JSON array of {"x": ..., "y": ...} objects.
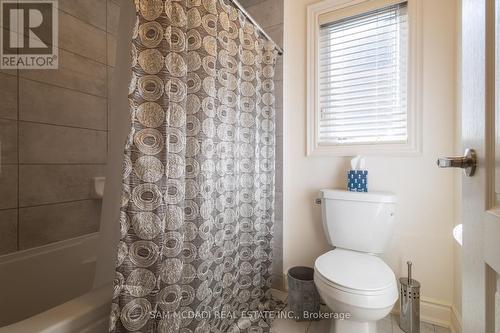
[{"x": 249, "y": 17}]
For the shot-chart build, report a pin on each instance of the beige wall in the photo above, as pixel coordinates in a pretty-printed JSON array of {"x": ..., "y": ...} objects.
[{"x": 426, "y": 205}]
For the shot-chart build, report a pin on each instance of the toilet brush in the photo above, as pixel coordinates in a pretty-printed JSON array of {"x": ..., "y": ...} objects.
[{"x": 409, "y": 301}]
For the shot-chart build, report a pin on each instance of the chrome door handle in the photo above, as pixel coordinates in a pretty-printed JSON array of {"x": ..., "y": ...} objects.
[{"x": 468, "y": 162}]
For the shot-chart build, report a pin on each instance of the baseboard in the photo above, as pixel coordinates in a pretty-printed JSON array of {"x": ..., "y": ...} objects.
[
  {"x": 437, "y": 313},
  {"x": 456, "y": 321},
  {"x": 278, "y": 282}
]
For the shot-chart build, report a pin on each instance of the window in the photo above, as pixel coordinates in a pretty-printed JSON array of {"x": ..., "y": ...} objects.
[
  {"x": 362, "y": 98},
  {"x": 362, "y": 78}
]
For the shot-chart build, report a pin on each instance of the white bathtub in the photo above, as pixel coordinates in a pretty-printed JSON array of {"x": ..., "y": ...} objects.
[
  {"x": 48, "y": 289},
  {"x": 85, "y": 314}
]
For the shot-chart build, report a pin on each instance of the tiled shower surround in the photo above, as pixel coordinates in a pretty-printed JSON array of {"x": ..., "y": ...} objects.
[
  {"x": 269, "y": 15},
  {"x": 53, "y": 132}
]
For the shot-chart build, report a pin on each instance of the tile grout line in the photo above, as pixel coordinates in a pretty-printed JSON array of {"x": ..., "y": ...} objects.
[
  {"x": 107, "y": 78},
  {"x": 58, "y": 125},
  {"x": 18, "y": 159},
  {"x": 56, "y": 203},
  {"x": 60, "y": 86},
  {"x": 105, "y": 30},
  {"x": 48, "y": 204},
  {"x": 58, "y": 164},
  {"x": 88, "y": 58},
  {"x": 54, "y": 85}
]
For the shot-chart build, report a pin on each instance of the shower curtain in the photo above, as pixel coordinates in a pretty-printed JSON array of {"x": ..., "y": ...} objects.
[{"x": 198, "y": 179}]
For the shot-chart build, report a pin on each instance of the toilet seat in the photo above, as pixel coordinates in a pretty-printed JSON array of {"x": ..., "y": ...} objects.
[
  {"x": 355, "y": 272},
  {"x": 355, "y": 278}
]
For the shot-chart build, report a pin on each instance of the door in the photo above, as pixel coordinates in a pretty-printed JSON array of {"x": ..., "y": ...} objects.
[{"x": 481, "y": 192}]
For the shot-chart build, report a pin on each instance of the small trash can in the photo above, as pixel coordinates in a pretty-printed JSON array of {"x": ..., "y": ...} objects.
[{"x": 303, "y": 297}]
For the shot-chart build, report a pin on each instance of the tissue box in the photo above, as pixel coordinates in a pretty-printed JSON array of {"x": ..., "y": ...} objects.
[{"x": 357, "y": 180}]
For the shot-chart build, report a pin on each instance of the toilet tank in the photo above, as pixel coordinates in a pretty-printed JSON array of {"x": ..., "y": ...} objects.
[{"x": 359, "y": 221}]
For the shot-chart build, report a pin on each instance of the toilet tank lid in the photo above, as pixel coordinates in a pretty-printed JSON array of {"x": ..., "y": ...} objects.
[{"x": 384, "y": 197}]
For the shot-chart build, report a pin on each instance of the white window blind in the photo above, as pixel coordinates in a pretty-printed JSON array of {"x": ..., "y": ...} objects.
[{"x": 363, "y": 78}]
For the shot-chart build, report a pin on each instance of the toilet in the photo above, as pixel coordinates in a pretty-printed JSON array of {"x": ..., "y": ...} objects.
[{"x": 351, "y": 278}]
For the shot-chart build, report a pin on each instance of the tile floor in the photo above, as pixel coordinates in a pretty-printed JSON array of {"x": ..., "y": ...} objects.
[{"x": 387, "y": 325}]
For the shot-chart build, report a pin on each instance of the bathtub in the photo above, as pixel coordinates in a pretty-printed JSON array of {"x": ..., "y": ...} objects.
[{"x": 48, "y": 289}]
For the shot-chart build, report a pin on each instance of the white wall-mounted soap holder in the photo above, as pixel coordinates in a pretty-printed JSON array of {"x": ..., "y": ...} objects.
[{"x": 97, "y": 188}]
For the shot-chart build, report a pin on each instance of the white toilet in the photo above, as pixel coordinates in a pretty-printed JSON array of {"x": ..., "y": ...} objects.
[{"x": 351, "y": 278}]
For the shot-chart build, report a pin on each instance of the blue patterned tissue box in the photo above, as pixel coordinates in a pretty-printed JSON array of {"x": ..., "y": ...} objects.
[{"x": 357, "y": 180}]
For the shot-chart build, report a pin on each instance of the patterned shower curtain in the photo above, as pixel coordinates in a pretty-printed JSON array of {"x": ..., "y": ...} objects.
[{"x": 198, "y": 180}]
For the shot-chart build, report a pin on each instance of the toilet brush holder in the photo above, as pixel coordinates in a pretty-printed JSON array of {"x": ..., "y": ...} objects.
[{"x": 409, "y": 301}]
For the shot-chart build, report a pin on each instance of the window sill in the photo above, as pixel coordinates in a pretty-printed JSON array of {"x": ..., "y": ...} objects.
[{"x": 394, "y": 150}]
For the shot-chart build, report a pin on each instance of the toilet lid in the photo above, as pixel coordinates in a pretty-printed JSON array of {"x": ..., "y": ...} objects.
[{"x": 355, "y": 270}]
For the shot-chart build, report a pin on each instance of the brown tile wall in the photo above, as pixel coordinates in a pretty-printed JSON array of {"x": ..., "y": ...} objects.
[{"x": 53, "y": 132}]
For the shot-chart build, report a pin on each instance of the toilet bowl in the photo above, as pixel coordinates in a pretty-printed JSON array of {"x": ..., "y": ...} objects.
[
  {"x": 359, "y": 285},
  {"x": 351, "y": 279}
]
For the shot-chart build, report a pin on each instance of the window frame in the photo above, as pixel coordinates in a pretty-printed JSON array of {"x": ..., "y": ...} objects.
[{"x": 346, "y": 8}]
